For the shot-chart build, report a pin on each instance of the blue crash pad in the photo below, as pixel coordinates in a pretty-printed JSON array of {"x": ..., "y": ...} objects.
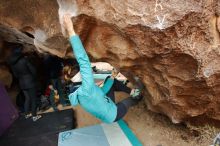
[{"x": 115, "y": 134}]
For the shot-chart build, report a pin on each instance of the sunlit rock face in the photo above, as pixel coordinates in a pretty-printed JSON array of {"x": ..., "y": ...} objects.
[{"x": 173, "y": 46}]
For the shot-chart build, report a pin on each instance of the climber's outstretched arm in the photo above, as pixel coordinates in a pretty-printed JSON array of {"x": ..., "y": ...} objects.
[{"x": 80, "y": 54}]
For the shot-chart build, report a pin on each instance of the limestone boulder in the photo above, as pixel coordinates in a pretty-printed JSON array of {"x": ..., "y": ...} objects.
[{"x": 173, "y": 46}]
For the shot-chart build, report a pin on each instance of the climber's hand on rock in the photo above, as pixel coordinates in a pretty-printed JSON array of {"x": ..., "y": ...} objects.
[{"x": 68, "y": 25}]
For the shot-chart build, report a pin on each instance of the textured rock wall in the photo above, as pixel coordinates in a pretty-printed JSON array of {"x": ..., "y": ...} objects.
[
  {"x": 5, "y": 76},
  {"x": 172, "y": 45}
]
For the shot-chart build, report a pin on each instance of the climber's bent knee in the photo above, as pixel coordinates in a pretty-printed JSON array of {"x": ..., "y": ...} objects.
[{"x": 121, "y": 111}]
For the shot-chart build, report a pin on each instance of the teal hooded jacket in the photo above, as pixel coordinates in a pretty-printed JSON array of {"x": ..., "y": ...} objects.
[{"x": 92, "y": 98}]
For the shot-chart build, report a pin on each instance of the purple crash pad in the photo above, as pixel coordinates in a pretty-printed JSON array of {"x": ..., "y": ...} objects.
[{"x": 8, "y": 112}]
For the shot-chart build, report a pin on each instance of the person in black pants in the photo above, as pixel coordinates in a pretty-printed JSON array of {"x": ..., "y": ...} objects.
[
  {"x": 112, "y": 85},
  {"x": 25, "y": 72}
]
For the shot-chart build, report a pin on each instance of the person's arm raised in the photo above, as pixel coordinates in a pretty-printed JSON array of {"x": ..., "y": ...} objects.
[
  {"x": 80, "y": 54},
  {"x": 68, "y": 25}
]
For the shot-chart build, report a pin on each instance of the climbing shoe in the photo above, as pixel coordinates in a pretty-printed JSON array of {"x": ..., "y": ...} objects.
[
  {"x": 28, "y": 116},
  {"x": 35, "y": 118},
  {"x": 135, "y": 93},
  {"x": 139, "y": 84}
]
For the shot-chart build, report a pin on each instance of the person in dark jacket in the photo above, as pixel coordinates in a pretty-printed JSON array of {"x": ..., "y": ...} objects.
[
  {"x": 25, "y": 72},
  {"x": 53, "y": 66}
]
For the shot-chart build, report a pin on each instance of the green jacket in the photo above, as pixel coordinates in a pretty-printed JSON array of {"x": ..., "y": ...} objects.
[{"x": 89, "y": 95}]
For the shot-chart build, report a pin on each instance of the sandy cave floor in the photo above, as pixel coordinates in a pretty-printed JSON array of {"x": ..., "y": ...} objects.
[{"x": 151, "y": 128}]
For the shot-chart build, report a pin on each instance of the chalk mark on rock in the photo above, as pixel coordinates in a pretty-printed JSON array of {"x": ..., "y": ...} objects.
[{"x": 160, "y": 21}]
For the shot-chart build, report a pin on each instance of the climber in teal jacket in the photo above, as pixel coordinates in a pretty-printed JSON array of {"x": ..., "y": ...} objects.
[{"x": 92, "y": 98}]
